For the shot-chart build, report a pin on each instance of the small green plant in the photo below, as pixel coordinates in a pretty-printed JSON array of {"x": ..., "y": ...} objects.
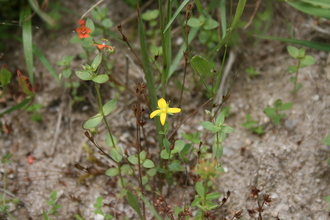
[
  {"x": 252, "y": 125},
  {"x": 303, "y": 61},
  {"x": 98, "y": 208},
  {"x": 36, "y": 114},
  {"x": 251, "y": 72},
  {"x": 52, "y": 203},
  {"x": 4, "y": 206},
  {"x": 274, "y": 112}
]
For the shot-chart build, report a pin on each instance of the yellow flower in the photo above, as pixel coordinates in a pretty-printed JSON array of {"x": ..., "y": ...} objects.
[{"x": 163, "y": 110}]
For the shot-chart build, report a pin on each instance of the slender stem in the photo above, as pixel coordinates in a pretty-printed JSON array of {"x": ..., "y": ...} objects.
[
  {"x": 108, "y": 128},
  {"x": 296, "y": 78}
]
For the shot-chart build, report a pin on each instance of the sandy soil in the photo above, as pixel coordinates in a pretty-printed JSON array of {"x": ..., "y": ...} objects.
[{"x": 288, "y": 161}]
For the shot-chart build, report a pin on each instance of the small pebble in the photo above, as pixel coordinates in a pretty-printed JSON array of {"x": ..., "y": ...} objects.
[{"x": 290, "y": 124}]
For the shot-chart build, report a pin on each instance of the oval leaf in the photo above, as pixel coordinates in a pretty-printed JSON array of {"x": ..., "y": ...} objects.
[
  {"x": 112, "y": 172},
  {"x": 97, "y": 60},
  {"x": 93, "y": 121},
  {"x": 101, "y": 78},
  {"x": 148, "y": 164},
  {"x": 116, "y": 154},
  {"x": 109, "y": 107},
  {"x": 84, "y": 75},
  {"x": 201, "y": 65}
]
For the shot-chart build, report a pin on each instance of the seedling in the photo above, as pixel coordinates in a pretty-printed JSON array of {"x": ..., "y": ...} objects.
[
  {"x": 52, "y": 202},
  {"x": 251, "y": 125},
  {"x": 274, "y": 112},
  {"x": 303, "y": 61},
  {"x": 251, "y": 72},
  {"x": 98, "y": 210}
]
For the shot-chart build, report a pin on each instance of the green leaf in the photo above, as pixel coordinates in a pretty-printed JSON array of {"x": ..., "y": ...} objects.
[
  {"x": 293, "y": 51},
  {"x": 5, "y": 76},
  {"x": 116, "y": 154},
  {"x": 90, "y": 25},
  {"x": 210, "y": 24},
  {"x": 307, "y": 61},
  {"x": 126, "y": 169},
  {"x": 101, "y": 78},
  {"x": 152, "y": 172},
  {"x": 210, "y": 126},
  {"x": 165, "y": 155},
  {"x": 84, "y": 75},
  {"x": 195, "y": 22},
  {"x": 326, "y": 140},
  {"x": 175, "y": 167},
  {"x": 108, "y": 140},
  {"x": 292, "y": 69},
  {"x": 53, "y": 195},
  {"x": 148, "y": 164},
  {"x": 269, "y": 111},
  {"x": 238, "y": 13},
  {"x": 26, "y": 23},
  {"x": 109, "y": 107},
  {"x": 327, "y": 199},
  {"x": 107, "y": 23},
  {"x": 212, "y": 196},
  {"x": 17, "y": 106},
  {"x": 133, "y": 159},
  {"x": 143, "y": 155},
  {"x": 66, "y": 72},
  {"x": 167, "y": 145},
  {"x": 178, "y": 145},
  {"x": 201, "y": 65},
  {"x": 220, "y": 119},
  {"x": 65, "y": 61},
  {"x": 145, "y": 180},
  {"x": 200, "y": 189},
  {"x": 227, "y": 129},
  {"x": 112, "y": 172},
  {"x": 286, "y": 106},
  {"x": 44, "y": 215},
  {"x": 78, "y": 217},
  {"x": 184, "y": 3},
  {"x": 310, "y": 44},
  {"x": 217, "y": 150},
  {"x": 97, "y": 61},
  {"x": 311, "y": 9},
  {"x": 150, "y": 15},
  {"x": 93, "y": 121},
  {"x": 134, "y": 203}
]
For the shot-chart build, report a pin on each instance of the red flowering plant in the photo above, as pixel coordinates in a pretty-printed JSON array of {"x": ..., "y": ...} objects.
[
  {"x": 83, "y": 31},
  {"x": 103, "y": 45}
]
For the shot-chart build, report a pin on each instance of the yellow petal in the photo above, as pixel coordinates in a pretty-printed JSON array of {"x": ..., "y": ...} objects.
[
  {"x": 162, "y": 118},
  {"x": 173, "y": 110},
  {"x": 154, "y": 113},
  {"x": 162, "y": 103}
]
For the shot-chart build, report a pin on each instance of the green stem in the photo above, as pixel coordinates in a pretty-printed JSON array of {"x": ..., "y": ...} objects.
[
  {"x": 108, "y": 128},
  {"x": 296, "y": 79}
]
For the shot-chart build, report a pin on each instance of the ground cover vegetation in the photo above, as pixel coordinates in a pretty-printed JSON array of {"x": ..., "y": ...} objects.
[{"x": 160, "y": 169}]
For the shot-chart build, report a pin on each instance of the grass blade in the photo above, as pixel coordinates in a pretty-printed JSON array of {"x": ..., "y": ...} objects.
[
  {"x": 184, "y": 3},
  {"x": 27, "y": 39},
  {"x": 45, "y": 62},
  {"x": 42, "y": 14},
  {"x": 17, "y": 106},
  {"x": 134, "y": 203},
  {"x": 310, "y": 44},
  {"x": 148, "y": 74},
  {"x": 42, "y": 59},
  {"x": 238, "y": 14},
  {"x": 311, "y": 9}
]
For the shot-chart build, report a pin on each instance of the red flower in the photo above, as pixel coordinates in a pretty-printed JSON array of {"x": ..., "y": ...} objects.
[
  {"x": 102, "y": 46},
  {"x": 83, "y": 31},
  {"x": 81, "y": 22}
]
